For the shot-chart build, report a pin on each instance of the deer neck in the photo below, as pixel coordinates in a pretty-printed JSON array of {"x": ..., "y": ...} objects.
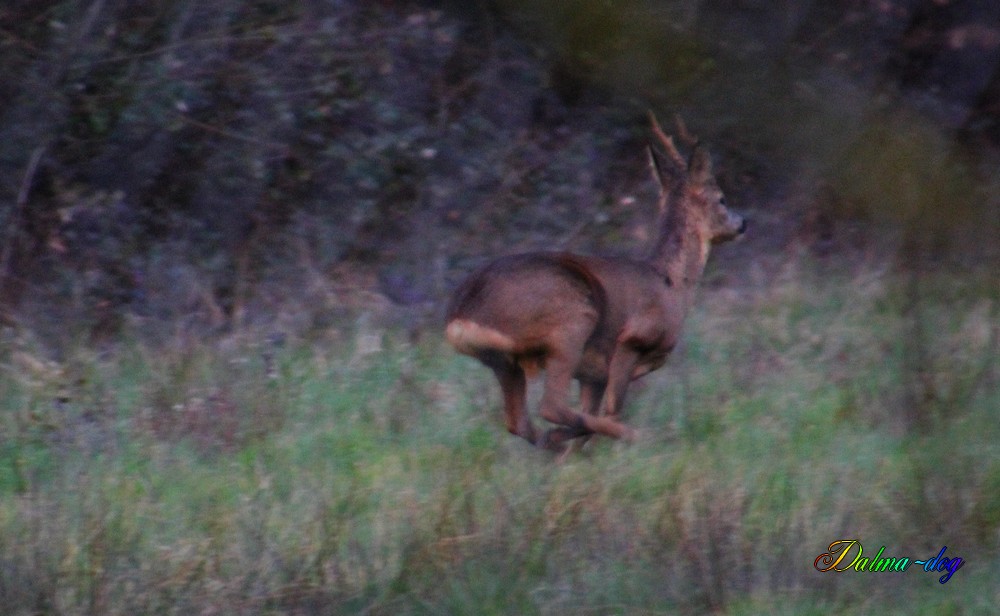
[{"x": 680, "y": 254}]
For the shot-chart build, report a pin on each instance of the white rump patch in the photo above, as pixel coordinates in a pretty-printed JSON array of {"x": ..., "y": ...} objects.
[{"x": 469, "y": 337}]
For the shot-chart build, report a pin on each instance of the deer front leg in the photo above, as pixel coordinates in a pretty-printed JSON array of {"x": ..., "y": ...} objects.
[{"x": 623, "y": 362}]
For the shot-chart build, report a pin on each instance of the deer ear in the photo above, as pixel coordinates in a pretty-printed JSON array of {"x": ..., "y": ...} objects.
[{"x": 700, "y": 167}]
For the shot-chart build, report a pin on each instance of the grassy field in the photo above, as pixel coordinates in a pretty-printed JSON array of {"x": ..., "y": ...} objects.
[{"x": 364, "y": 473}]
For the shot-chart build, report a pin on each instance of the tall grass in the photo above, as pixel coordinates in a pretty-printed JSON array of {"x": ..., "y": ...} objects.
[{"x": 246, "y": 477}]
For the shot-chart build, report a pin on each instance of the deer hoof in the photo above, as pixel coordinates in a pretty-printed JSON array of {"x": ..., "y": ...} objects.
[{"x": 556, "y": 439}]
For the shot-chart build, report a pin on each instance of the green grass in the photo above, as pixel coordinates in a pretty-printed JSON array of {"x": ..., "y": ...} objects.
[{"x": 187, "y": 480}]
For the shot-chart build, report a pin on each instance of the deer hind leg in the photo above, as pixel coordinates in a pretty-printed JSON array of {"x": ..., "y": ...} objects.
[
  {"x": 513, "y": 384},
  {"x": 591, "y": 394},
  {"x": 559, "y": 373}
]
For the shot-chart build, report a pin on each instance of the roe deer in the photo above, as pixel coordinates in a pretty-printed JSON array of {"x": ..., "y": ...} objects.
[{"x": 604, "y": 321}]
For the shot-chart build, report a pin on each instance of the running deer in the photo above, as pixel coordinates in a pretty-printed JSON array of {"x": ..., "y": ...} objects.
[{"x": 604, "y": 321}]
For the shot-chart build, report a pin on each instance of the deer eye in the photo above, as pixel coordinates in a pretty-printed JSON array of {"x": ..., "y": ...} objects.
[{"x": 722, "y": 201}]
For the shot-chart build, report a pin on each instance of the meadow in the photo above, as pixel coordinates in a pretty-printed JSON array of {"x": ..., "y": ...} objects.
[{"x": 360, "y": 471}]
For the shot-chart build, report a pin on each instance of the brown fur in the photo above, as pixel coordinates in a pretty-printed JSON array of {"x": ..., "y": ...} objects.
[{"x": 603, "y": 321}]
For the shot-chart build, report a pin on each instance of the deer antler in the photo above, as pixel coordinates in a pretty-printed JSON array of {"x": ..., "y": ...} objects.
[
  {"x": 667, "y": 141},
  {"x": 682, "y": 132}
]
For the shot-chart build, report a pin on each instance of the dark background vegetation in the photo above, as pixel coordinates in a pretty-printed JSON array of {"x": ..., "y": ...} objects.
[
  {"x": 203, "y": 162},
  {"x": 227, "y": 230}
]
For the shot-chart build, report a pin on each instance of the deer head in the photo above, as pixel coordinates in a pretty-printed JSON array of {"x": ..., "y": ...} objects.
[{"x": 693, "y": 212}]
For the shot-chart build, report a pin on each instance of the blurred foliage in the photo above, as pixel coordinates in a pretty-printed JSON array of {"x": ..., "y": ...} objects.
[{"x": 163, "y": 161}]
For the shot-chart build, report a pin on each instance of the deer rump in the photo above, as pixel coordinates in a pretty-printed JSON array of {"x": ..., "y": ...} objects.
[
  {"x": 514, "y": 308},
  {"x": 571, "y": 315}
]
